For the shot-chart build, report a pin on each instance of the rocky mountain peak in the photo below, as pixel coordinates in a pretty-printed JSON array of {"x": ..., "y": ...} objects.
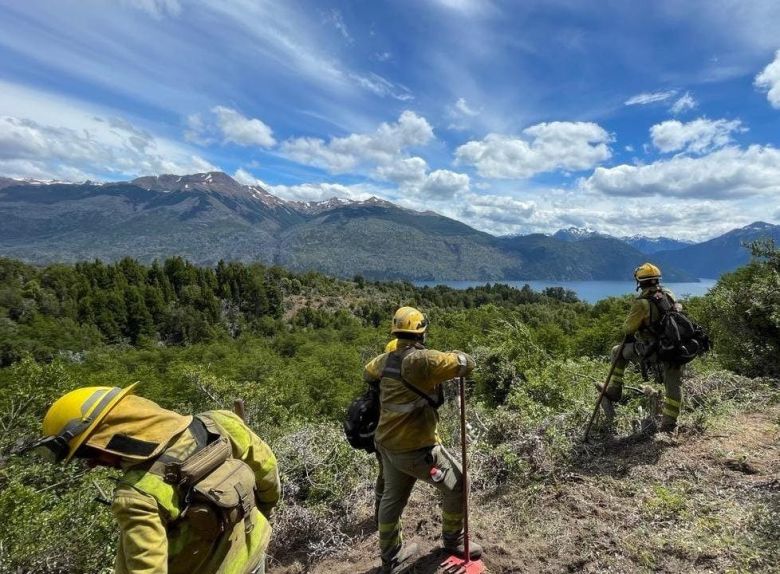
[{"x": 212, "y": 181}]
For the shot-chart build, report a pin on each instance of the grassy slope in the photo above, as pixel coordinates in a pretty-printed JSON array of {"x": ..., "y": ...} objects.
[{"x": 697, "y": 502}]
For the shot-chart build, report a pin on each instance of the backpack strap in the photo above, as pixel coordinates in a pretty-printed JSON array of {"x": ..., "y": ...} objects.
[
  {"x": 392, "y": 370},
  {"x": 662, "y": 304}
]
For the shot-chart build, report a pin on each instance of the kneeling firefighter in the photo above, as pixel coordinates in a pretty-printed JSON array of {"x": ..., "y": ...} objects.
[
  {"x": 407, "y": 440},
  {"x": 196, "y": 493}
]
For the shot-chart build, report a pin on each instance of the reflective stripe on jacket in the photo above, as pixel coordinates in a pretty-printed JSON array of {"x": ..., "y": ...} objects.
[
  {"x": 154, "y": 538},
  {"x": 407, "y": 422}
]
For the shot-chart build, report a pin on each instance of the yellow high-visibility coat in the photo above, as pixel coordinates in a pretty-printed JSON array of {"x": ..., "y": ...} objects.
[
  {"x": 426, "y": 369},
  {"x": 154, "y": 537}
]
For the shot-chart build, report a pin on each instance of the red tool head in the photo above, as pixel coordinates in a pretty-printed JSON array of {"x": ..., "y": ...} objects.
[{"x": 456, "y": 565}]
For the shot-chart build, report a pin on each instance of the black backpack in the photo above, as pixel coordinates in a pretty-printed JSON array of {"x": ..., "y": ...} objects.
[
  {"x": 678, "y": 339},
  {"x": 362, "y": 419},
  {"x": 363, "y": 414}
]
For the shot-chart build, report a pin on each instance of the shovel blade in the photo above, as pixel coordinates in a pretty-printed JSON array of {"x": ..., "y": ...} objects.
[{"x": 456, "y": 565}]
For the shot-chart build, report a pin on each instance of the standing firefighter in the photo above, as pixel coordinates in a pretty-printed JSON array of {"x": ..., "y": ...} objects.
[
  {"x": 407, "y": 439},
  {"x": 196, "y": 492},
  {"x": 648, "y": 339}
]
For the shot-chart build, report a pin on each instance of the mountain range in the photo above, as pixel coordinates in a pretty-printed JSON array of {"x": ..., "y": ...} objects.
[{"x": 209, "y": 216}]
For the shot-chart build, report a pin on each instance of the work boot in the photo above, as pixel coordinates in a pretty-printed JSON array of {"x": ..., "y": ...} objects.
[
  {"x": 614, "y": 392},
  {"x": 668, "y": 424},
  {"x": 454, "y": 544},
  {"x": 402, "y": 561},
  {"x": 608, "y": 401}
]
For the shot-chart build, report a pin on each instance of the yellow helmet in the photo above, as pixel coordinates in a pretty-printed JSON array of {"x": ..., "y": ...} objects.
[
  {"x": 391, "y": 346},
  {"x": 409, "y": 320},
  {"x": 73, "y": 417},
  {"x": 646, "y": 271}
]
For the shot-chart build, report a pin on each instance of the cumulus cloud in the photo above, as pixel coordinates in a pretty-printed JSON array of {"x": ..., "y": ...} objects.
[
  {"x": 697, "y": 136},
  {"x": 412, "y": 177},
  {"x": 382, "y": 147},
  {"x": 769, "y": 81},
  {"x": 443, "y": 183},
  {"x": 490, "y": 211},
  {"x": 243, "y": 176},
  {"x": 650, "y": 98},
  {"x": 104, "y": 145},
  {"x": 683, "y": 104},
  {"x": 728, "y": 173},
  {"x": 545, "y": 147},
  {"x": 228, "y": 126},
  {"x": 405, "y": 171},
  {"x": 321, "y": 191}
]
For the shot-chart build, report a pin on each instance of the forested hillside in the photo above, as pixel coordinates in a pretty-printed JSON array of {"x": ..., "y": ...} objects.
[
  {"x": 207, "y": 217},
  {"x": 293, "y": 345}
]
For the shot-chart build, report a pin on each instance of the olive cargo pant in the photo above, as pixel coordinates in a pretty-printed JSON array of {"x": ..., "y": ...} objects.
[
  {"x": 672, "y": 376},
  {"x": 401, "y": 471}
]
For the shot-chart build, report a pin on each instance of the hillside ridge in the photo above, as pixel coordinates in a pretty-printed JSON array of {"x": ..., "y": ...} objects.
[{"x": 207, "y": 217}]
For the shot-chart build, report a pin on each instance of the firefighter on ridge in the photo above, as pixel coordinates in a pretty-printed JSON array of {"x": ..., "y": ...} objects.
[
  {"x": 407, "y": 440},
  {"x": 169, "y": 517},
  {"x": 641, "y": 342}
]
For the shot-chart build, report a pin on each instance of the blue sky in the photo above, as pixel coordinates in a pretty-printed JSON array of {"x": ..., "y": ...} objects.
[{"x": 514, "y": 117}]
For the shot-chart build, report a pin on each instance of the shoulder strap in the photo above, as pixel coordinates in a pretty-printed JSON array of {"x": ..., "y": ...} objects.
[{"x": 392, "y": 370}]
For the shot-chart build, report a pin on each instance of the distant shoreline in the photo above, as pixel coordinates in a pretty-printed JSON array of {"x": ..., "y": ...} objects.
[{"x": 590, "y": 291}]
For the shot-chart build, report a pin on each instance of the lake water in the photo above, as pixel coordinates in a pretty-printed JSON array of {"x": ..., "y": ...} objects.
[{"x": 590, "y": 291}]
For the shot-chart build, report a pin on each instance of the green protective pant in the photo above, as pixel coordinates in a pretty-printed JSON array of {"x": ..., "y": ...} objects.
[
  {"x": 401, "y": 471},
  {"x": 379, "y": 488},
  {"x": 672, "y": 377}
]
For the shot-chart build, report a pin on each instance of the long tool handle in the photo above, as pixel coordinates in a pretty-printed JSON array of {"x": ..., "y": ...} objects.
[
  {"x": 604, "y": 388},
  {"x": 464, "y": 463}
]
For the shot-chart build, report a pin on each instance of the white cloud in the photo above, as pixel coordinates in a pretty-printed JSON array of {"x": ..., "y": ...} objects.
[
  {"x": 320, "y": 191},
  {"x": 728, "y": 173},
  {"x": 488, "y": 211},
  {"x": 697, "y": 136},
  {"x": 101, "y": 146},
  {"x": 413, "y": 179},
  {"x": 443, "y": 183},
  {"x": 462, "y": 107},
  {"x": 382, "y": 147},
  {"x": 244, "y": 177},
  {"x": 228, "y": 126},
  {"x": 650, "y": 98},
  {"x": 382, "y": 87},
  {"x": 684, "y": 103},
  {"x": 546, "y": 147},
  {"x": 405, "y": 171},
  {"x": 769, "y": 81}
]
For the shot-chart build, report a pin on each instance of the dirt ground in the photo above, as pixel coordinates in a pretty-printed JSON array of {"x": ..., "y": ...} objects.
[{"x": 694, "y": 503}]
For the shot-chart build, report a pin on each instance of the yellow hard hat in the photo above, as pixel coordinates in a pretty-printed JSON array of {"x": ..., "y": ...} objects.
[
  {"x": 647, "y": 271},
  {"x": 391, "y": 346},
  {"x": 409, "y": 320},
  {"x": 73, "y": 417}
]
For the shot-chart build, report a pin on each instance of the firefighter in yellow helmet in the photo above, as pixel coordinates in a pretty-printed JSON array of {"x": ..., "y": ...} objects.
[
  {"x": 407, "y": 440},
  {"x": 196, "y": 492},
  {"x": 638, "y": 326}
]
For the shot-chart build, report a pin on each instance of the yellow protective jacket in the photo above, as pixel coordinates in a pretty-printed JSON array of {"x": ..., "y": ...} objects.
[
  {"x": 425, "y": 369},
  {"x": 642, "y": 313},
  {"x": 154, "y": 537}
]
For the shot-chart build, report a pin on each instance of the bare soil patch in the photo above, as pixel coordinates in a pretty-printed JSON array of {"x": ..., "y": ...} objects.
[{"x": 694, "y": 503}]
